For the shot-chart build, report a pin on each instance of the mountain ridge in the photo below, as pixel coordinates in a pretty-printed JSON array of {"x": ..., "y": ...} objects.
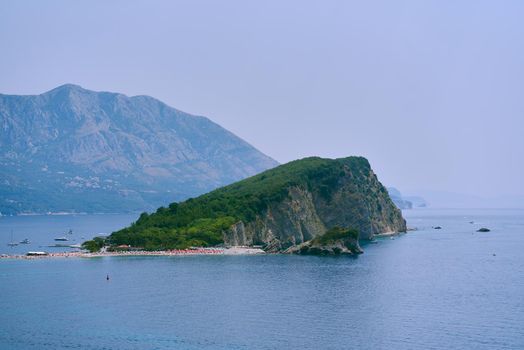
[{"x": 138, "y": 150}]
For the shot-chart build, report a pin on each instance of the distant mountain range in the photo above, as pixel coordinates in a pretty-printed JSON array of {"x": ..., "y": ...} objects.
[
  {"x": 446, "y": 199},
  {"x": 405, "y": 202},
  {"x": 76, "y": 150},
  {"x": 443, "y": 199}
]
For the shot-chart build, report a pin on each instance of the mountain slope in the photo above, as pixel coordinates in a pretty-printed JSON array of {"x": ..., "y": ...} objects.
[
  {"x": 72, "y": 149},
  {"x": 279, "y": 208}
]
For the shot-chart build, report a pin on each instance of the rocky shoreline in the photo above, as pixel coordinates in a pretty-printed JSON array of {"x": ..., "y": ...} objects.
[{"x": 336, "y": 241}]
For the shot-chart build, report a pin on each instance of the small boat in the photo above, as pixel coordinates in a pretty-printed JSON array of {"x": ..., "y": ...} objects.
[
  {"x": 64, "y": 238},
  {"x": 12, "y": 243},
  {"x": 24, "y": 241}
]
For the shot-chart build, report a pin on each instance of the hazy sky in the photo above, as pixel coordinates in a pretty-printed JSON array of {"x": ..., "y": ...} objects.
[{"x": 431, "y": 92}]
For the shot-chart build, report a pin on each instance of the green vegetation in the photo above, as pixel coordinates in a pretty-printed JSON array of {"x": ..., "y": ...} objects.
[
  {"x": 94, "y": 245},
  {"x": 204, "y": 232},
  {"x": 201, "y": 221},
  {"x": 335, "y": 234}
]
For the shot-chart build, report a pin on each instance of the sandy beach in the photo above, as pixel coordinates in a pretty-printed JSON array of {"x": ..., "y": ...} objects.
[{"x": 174, "y": 252}]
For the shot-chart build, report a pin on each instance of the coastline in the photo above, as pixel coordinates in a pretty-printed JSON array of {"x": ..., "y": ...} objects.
[
  {"x": 175, "y": 252},
  {"x": 388, "y": 234}
]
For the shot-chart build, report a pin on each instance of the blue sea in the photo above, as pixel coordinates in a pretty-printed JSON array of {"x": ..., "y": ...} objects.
[
  {"x": 41, "y": 230},
  {"x": 453, "y": 288}
]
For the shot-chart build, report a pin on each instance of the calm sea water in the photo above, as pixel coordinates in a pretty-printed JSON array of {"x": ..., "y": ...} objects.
[
  {"x": 429, "y": 289},
  {"x": 41, "y": 230}
]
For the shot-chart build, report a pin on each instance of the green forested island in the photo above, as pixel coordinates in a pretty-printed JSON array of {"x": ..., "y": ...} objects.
[{"x": 278, "y": 209}]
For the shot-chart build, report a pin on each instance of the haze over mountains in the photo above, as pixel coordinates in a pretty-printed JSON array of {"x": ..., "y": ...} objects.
[{"x": 76, "y": 150}]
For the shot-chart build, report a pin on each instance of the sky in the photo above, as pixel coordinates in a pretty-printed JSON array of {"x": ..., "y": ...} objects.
[{"x": 431, "y": 92}]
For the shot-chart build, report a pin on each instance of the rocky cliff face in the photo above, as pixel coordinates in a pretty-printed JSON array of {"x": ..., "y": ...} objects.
[
  {"x": 72, "y": 149},
  {"x": 356, "y": 200},
  {"x": 281, "y": 225}
]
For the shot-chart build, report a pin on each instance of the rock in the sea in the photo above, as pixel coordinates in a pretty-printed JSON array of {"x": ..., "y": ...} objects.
[
  {"x": 483, "y": 229},
  {"x": 336, "y": 241}
]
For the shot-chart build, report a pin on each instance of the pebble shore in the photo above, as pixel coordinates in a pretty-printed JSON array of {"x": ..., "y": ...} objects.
[{"x": 175, "y": 252}]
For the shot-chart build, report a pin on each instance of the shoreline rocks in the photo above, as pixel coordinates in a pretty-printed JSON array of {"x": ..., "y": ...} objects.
[{"x": 336, "y": 241}]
